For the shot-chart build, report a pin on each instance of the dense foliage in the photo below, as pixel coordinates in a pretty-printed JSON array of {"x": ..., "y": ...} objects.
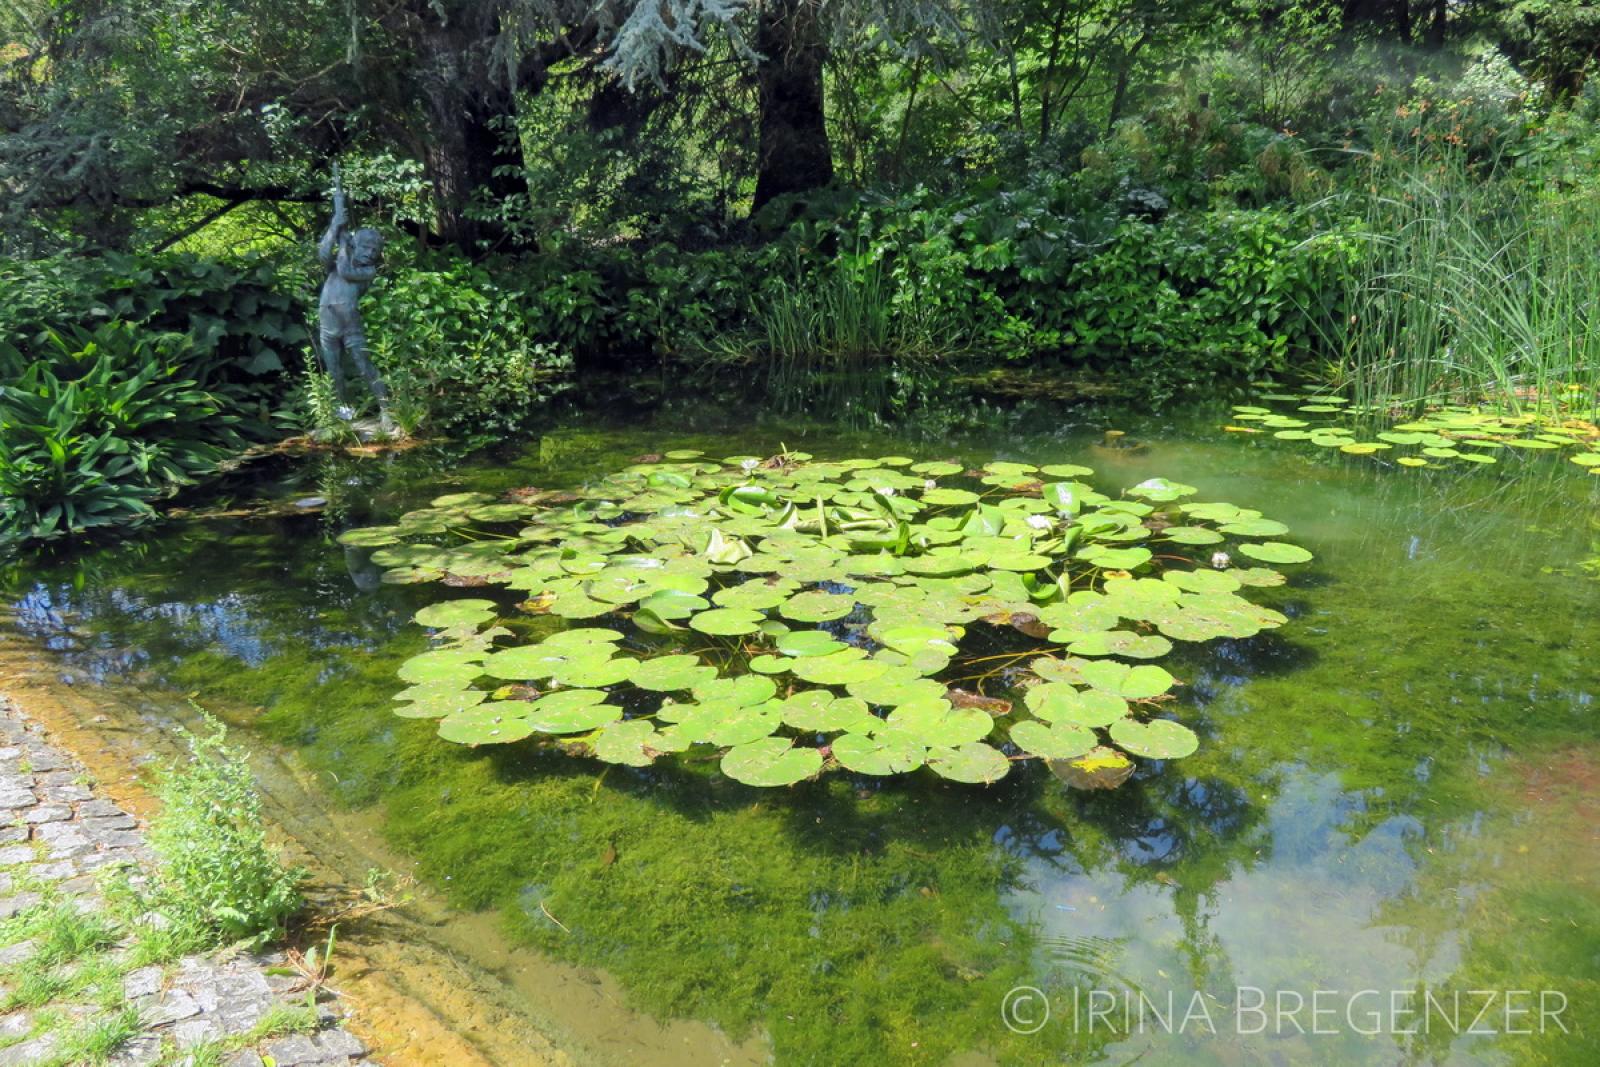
[{"x": 836, "y": 202}]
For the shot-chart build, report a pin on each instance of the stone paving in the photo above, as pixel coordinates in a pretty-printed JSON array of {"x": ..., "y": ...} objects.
[{"x": 56, "y": 837}]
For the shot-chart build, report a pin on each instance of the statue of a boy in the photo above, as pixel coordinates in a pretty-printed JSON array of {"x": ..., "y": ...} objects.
[{"x": 351, "y": 260}]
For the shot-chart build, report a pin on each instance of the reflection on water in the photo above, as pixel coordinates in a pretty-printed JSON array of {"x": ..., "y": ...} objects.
[{"x": 1355, "y": 818}]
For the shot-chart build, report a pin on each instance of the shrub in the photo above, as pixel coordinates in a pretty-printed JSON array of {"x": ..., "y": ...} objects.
[
  {"x": 456, "y": 348},
  {"x": 96, "y": 425},
  {"x": 216, "y": 874}
]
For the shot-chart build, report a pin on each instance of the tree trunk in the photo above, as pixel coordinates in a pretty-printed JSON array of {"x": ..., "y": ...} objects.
[
  {"x": 1437, "y": 27},
  {"x": 794, "y": 155},
  {"x": 465, "y": 141}
]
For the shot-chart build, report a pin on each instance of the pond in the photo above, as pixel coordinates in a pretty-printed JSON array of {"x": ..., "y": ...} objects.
[{"x": 1393, "y": 805}]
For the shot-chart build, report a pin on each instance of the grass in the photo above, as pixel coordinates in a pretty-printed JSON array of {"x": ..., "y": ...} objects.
[
  {"x": 279, "y": 1019},
  {"x": 835, "y": 336},
  {"x": 1467, "y": 288},
  {"x": 217, "y": 881}
]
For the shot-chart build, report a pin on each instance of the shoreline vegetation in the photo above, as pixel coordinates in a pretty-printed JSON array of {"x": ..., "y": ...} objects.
[{"x": 1327, "y": 199}]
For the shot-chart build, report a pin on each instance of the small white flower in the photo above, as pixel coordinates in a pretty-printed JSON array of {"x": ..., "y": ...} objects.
[
  {"x": 887, "y": 490},
  {"x": 1040, "y": 522},
  {"x": 1221, "y": 560},
  {"x": 930, "y": 484},
  {"x": 749, "y": 465}
]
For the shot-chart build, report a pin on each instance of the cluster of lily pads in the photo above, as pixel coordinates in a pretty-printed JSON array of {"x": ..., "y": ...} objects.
[
  {"x": 1442, "y": 436},
  {"x": 787, "y": 616}
]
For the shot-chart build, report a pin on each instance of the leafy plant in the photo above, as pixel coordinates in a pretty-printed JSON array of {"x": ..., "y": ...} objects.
[
  {"x": 97, "y": 425},
  {"x": 215, "y": 873},
  {"x": 459, "y": 351}
]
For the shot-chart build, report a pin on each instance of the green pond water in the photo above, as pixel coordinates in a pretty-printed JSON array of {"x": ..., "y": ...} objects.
[{"x": 1396, "y": 792}]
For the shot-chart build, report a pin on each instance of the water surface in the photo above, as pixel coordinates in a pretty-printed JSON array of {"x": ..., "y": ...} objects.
[{"x": 1395, "y": 792}]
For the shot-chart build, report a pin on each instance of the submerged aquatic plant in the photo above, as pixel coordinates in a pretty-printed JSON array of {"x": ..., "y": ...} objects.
[{"x": 798, "y": 615}]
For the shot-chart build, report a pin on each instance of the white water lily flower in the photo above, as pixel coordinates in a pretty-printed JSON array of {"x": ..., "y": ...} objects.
[
  {"x": 887, "y": 490},
  {"x": 1040, "y": 522},
  {"x": 930, "y": 484},
  {"x": 749, "y": 465},
  {"x": 1221, "y": 560}
]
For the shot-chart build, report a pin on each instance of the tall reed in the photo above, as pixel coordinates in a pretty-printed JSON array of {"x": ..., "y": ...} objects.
[
  {"x": 1469, "y": 289},
  {"x": 838, "y": 335}
]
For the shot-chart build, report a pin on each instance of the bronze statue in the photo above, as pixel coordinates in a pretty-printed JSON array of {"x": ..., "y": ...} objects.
[{"x": 351, "y": 260}]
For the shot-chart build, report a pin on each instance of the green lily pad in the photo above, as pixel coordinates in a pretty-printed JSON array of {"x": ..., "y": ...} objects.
[
  {"x": 975, "y": 764},
  {"x": 428, "y": 703},
  {"x": 742, "y": 691},
  {"x": 631, "y": 742},
  {"x": 802, "y": 643},
  {"x": 571, "y": 711},
  {"x": 499, "y": 722},
  {"x": 819, "y": 711},
  {"x": 443, "y": 665},
  {"x": 1062, "y": 740},
  {"x": 937, "y": 724},
  {"x": 1275, "y": 552},
  {"x": 885, "y": 751},
  {"x": 817, "y": 606},
  {"x": 1156, "y": 739},
  {"x": 1130, "y": 683},
  {"x": 453, "y": 613},
  {"x": 671, "y": 674},
  {"x": 770, "y": 762},
  {"x": 1062, "y": 702},
  {"x": 726, "y": 622},
  {"x": 595, "y": 673}
]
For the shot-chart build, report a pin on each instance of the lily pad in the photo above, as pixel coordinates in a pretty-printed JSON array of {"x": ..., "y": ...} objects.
[
  {"x": 1156, "y": 739},
  {"x": 727, "y": 622},
  {"x": 975, "y": 764},
  {"x": 671, "y": 674},
  {"x": 1275, "y": 552},
  {"x": 453, "y": 613},
  {"x": 770, "y": 762},
  {"x": 497, "y": 723},
  {"x": 1062, "y": 740},
  {"x": 885, "y": 751},
  {"x": 817, "y": 606},
  {"x": 1099, "y": 768}
]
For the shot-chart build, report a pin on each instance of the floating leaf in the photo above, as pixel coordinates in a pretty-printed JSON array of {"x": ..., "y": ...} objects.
[
  {"x": 497, "y": 723},
  {"x": 800, "y": 643},
  {"x": 1099, "y": 768},
  {"x": 1156, "y": 739},
  {"x": 454, "y": 613},
  {"x": 819, "y": 711},
  {"x": 975, "y": 764},
  {"x": 885, "y": 751},
  {"x": 726, "y": 622},
  {"x": 938, "y": 724},
  {"x": 632, "y": 743},
  {"x": 1275, "y": 552},
  {"x": 595, "y": 673},
  {"x": 817, "y": 606},
  {"x": 771, "y": 761},
  {"x": 670, "y": 674},
  {"x": 571, "y": 711},
  {"x": 1058, "y": 741},
  {"x": 1065, "y": 703}
]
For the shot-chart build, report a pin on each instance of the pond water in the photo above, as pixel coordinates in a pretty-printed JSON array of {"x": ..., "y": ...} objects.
[{"x": 1394, "y": 803}]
